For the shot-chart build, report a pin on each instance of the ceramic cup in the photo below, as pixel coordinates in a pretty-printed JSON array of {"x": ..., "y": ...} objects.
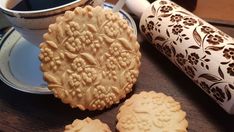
[{"x": 33, "y": 24}]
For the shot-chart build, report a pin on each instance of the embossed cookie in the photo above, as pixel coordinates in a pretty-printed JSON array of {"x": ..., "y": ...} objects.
[
  {"x": 151, "y": 112},
  {"x": 90, "y": 58},
  {"x": 87, "y": 125}
]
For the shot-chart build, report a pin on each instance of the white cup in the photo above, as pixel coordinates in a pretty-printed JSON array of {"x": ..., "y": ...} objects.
[{"x": 33, "y": 24}]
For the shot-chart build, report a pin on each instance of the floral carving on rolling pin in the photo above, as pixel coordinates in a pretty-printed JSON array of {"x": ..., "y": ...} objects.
[
  {"x": 176, "y": 18},
  {"x": 203, "y": 52}
]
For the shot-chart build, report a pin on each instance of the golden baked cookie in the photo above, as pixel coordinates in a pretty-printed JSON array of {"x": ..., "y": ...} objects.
[
  {"x": 87, "y": 125},
  {"x": 90, "y": 58},
  {"x": 151, "y": 112}
]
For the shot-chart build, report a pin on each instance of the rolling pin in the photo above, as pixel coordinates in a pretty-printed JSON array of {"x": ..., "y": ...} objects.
[{"x": 203, "y": 52}]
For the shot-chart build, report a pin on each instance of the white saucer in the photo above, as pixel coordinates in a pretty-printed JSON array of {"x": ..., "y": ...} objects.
[{"x": 19, "y": 63}]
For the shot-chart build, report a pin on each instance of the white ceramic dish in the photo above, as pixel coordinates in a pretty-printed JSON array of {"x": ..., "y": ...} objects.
[{"x": 20, "y": 66}]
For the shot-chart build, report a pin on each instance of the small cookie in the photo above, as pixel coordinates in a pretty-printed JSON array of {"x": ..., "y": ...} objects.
[
  {"x": 90, "y": 58},
  {"x": 87, "y": 125},
  {"x": 151, "y": 112}
]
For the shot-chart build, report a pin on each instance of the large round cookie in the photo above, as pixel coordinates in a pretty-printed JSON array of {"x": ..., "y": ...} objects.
[
  {"x": 90, "y": 58},
  {"x": 87, "y": 125},
  {"x": 151, "y": 112}
]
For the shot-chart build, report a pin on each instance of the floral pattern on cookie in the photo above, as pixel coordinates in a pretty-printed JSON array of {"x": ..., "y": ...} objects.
[
  {"x": 151, "y": 112},
  {"x": 85, "y": 64}
]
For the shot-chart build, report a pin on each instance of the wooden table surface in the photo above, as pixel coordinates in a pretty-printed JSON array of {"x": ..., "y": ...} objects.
[
  {"x": 29, "y": 112},
  {"x": 216, "y": 10}
]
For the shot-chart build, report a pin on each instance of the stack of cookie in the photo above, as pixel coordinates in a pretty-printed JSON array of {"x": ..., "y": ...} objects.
[{"x": 90, "y": 59}]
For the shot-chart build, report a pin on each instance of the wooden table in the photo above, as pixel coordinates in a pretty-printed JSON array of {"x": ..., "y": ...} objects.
[
  {"x": 216, "y": 10},
  {"x": 28, "y": 112}
]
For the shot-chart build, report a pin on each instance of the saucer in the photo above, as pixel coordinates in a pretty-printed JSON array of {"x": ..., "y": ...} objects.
[{"x": 20, "y": 65}]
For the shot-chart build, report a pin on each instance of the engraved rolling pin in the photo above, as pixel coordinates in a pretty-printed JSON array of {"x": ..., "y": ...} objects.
[{"x": 204, "y": 53}]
